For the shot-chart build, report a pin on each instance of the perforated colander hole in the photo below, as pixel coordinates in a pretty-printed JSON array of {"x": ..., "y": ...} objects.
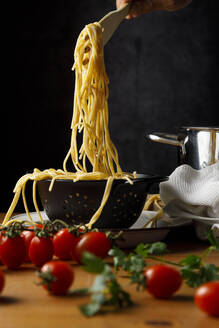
[
  {"x": 66, "y": 201},
  {"x": 85, "y": 205},
  {"x": 77, "y": 194},
  {"x": 118, "y": 200},
  {"x": 67, "y": 216},
  {"x": 85, "y": 197},
  {"x": 70, "y": 196},
  {"x": 135, "y": 195},
  {"x": 130, "y": 193},
  {"x": 46, "y": 201}
]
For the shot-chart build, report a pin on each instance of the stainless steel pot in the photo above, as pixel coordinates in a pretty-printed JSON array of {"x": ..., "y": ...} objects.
[{"x": 197, "y": 146}]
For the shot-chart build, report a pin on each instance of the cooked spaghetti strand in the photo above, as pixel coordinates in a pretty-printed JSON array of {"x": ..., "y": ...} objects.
[{"x": 90, "y": 119}]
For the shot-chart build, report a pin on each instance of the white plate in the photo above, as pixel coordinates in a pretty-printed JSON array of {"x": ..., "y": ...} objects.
[{"x": 135, "y": 234}]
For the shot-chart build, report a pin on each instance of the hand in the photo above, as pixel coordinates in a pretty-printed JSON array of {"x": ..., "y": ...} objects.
[{"x": 139, "y": 7}]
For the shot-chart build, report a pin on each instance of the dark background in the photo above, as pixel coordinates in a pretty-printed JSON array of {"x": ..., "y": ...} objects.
[{"x": 163, "y": 74}]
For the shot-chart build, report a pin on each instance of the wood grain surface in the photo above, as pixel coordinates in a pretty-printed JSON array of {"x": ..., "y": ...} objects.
[{"x": 24, "y": 304}]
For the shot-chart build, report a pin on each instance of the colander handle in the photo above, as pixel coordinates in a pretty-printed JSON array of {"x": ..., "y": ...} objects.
[{"x": 170, "y": 139}]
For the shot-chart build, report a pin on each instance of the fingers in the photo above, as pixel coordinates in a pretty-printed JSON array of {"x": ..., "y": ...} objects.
[
  {"x": 173, "y": 5},
  {"x": 139, "y": 7},
  {"x": 120, "y": 3},
  {"x": 134, "y": 9},
  {"x": 169, "y": 5}
]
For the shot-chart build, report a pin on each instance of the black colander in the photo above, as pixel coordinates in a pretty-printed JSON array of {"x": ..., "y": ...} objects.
[{"x": 76, "y": 202}]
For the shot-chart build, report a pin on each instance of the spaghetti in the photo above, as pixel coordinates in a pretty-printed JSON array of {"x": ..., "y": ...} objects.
[{"x": 90, "y": 117}]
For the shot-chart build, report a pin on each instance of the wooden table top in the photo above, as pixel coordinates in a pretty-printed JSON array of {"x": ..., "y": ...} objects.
[{"x": 24, "y": 304}]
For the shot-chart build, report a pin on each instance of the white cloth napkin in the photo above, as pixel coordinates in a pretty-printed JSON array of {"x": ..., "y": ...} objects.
[{"x": 193, "y": 194}]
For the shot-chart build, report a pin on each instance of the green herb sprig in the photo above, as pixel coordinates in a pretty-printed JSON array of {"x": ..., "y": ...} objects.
[
  {"x": 134, "y": 263},
  {"x": 194, "y": 269},
  {"x": 105, "y": 292}
]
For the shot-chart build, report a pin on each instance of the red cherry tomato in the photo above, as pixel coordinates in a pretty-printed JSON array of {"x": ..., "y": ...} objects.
[
  {"x": 62, "y": 274},
  {"x": 1, "y": 236},
  {"x": 27, "y": 236},
  {"x": 207, "y": 298},
  {"x": 64, "y": 243},
  {"x": 94, "y": 242},
  {"x": 2, "y": 233},
  {"x": 12, "y": 251},
  {"x": 0, "y": 243},
  {"x": 73, "y": 255},
  {"x": 162, "y": 281},
  {"x": 37, "y": 225},
  {"x": 2, "y": 281},
  {"x": 40, "y": 250}
]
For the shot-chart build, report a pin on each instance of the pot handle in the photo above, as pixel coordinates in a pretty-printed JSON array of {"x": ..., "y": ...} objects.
[{"x": 170, "y": 139}]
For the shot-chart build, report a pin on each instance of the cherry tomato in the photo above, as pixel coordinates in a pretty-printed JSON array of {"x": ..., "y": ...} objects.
[
  {"x": 94, "y": 242},
  {"x": 57, "y": 277},
  {"x": 207, "y": 298},
  {"x": 0, "y": 243},
  {"x": 64, "y": 243},
  {"x": 1, "y": 235},
  {"x": 2, "y": 281},
  {"x": 12, "y": 251},
  {"x": 27, "y": 236},
  {"x": 37, "y": 225},
  {"x": 73, "y": 255},
  {"x": 40, "y": 250},
  {"x": 162, "y": 281}
]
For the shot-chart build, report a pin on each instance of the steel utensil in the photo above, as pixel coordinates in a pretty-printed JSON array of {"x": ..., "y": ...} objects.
[
  {"x": 197, "y": 146},
  {"x": 111, "y": 21}
]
